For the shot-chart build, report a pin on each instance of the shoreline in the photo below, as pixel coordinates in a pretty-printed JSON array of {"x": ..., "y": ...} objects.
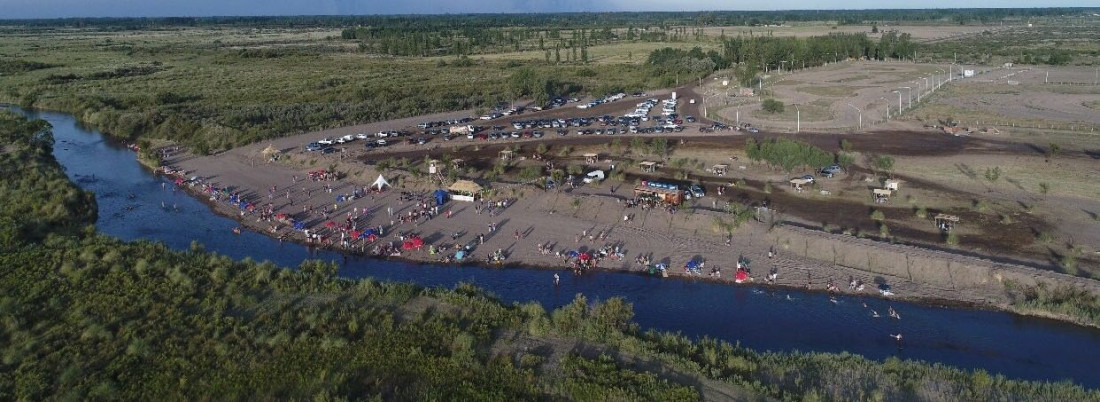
[{"x": 421, "y": 257}]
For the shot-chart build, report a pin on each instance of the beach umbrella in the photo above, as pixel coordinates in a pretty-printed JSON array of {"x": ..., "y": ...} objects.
[
  {"x": 693, "y": 264},
  {"x": 417, "y": 242},
  {"x": 586, "y": 257},
  {"x": 370, "y": 232},
  {"x": 299, "y": 225},
  {"x": 574, "y": 254},
  {"x": 356, "y": 234},
  {"x": 330, "y": 224}
]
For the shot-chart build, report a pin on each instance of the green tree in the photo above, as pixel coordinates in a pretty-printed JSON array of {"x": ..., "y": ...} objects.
[
  {"x": 884, "y": 163},
  {"x": 773, "y": 106}
]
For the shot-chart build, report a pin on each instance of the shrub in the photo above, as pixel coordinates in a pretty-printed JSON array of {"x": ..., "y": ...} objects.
[{"x": 773, "y": 106}]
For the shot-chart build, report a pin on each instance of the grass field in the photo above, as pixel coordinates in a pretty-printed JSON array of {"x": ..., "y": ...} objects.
[{"x": 228, "y": 87}]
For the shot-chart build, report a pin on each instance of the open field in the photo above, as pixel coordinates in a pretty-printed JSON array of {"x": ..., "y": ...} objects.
[{"x": 827, "y": 91}]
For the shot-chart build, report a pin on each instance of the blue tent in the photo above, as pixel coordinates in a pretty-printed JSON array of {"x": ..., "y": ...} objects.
[
  {"x": 694, "y": 264},
  {"x": 440, "y": 196},
  {"x": 574, "y": 254},
  {"x": 300, "y": 225},
  {"x": 460, "y": 254}
]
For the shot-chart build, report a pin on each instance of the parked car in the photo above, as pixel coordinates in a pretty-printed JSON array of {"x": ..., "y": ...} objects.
[
  {"x": 328, "y": 150},
  {"x": 594, "y": 176},
  {"x": 348, "y": 138},
  {"x": 381, "y": 142},
  {"x": 697, "y": 191},
  {"x": 809, "y": 178},
  {"x": 830, "y": 170},
  {"x": 362, "y": 136},
  {"x": 314, "y": 146},
  {"x": 326, "y": 141}
]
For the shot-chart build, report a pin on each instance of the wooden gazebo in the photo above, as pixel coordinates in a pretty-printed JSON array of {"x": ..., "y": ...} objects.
[
  {"x": 720, "y": 169},
  {"x": 506, "y": 155},
  {"x": 648, "y": 167},
  {"x": 946, "y": 222},
  {"x": 881, "y": 195},
  {"x": 591, "y": 159}
]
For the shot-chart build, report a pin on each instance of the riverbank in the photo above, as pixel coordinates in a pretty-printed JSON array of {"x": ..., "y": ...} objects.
[{"x": 564, "y": 220}]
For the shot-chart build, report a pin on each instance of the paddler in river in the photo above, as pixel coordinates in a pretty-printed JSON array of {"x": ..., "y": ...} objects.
[
  {"x": 237, "y": 230},
  {"x": 557, "y": 279},
  {"x": 894, "y": 314}
]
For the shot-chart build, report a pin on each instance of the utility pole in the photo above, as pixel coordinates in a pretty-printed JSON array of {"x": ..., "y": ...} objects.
[
  {"x": 860, "y": 111},
  {"x": 1047, "y": 79},
  {"x": 797, "y": 119}
]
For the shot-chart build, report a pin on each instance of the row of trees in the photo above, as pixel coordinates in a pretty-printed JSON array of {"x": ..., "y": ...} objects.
[
  {"x": 568, "y": 20},
  {"x": 751, "y": 55}
]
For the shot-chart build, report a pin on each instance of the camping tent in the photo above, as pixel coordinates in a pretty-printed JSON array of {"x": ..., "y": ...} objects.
[
  {"x": 440, "y": 196},
  {"x": 379, "y": 182}
]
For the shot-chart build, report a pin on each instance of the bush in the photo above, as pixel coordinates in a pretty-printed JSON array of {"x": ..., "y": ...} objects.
[{"x": 773, "y": 106}]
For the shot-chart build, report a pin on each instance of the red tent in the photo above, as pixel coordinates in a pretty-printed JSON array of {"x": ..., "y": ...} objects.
[
  {"x": 741, "y": 276},
  {"x": 355, "y": 234},
  {"x": 330, "y": 224},
  {"x": 417, "y": 242},
  {"x": 407, "y": 245},
  {"x": 281, "y": 216},
  {"x": 586, "y": 256}
]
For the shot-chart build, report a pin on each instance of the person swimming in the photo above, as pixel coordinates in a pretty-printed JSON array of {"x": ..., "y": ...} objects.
[
  {"x": 894, "y": 314},
  {"x": 896, "y": 337},
  {"x": 557, "y": 279},
  {"x": 874, "y": 314}
]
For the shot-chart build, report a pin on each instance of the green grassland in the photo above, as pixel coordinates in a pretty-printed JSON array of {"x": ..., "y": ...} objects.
[{"x": 224, "y": 89}]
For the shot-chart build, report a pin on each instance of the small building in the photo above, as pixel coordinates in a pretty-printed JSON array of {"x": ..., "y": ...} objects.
[
  {"x": 507, "y": 155},
  {"x": 892, "y": 184},
  {"x": 799, "y": 184},
  {"x": 946, "y": 222},
  {"x": 591, "y": 159},
  {"x": 465, "y": 190},
  {"x": 433, "y": 166},
  {"x": 881, "y": 195},
  {"x": 720, "y": 169},
  {"x": 648, "y": 167}
]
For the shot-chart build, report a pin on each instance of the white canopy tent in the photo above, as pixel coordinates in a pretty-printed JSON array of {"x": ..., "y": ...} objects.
[{"x": 379, "y": 182}]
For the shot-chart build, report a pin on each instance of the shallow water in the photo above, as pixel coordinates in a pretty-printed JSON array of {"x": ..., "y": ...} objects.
[{"x": 130, "y": 201}]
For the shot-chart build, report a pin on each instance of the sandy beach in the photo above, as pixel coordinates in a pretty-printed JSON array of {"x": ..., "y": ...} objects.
[{"x": 583, "y": 219}]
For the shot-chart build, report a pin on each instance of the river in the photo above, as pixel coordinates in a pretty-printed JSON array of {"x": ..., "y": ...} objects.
[{"x": 131, "y": 199}]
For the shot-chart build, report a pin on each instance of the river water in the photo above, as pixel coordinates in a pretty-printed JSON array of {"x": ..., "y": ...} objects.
[{"x": 136, "y": 205}]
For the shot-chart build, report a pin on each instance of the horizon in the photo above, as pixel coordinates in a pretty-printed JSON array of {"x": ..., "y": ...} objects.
[{"x": 76, "y": 9}]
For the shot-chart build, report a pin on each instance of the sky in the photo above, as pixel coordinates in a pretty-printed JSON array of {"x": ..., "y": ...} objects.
[{"x": 193, "y": 8}]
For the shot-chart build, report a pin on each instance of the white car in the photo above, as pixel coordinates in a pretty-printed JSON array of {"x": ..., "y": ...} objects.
[
  {"x": 326, "y": 141},
  {"x": 594, "y": 176},
  {"x": 362, "y": 136}
]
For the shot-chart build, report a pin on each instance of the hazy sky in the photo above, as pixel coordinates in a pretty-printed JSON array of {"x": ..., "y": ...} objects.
[{"x": 156, "y": 8}]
